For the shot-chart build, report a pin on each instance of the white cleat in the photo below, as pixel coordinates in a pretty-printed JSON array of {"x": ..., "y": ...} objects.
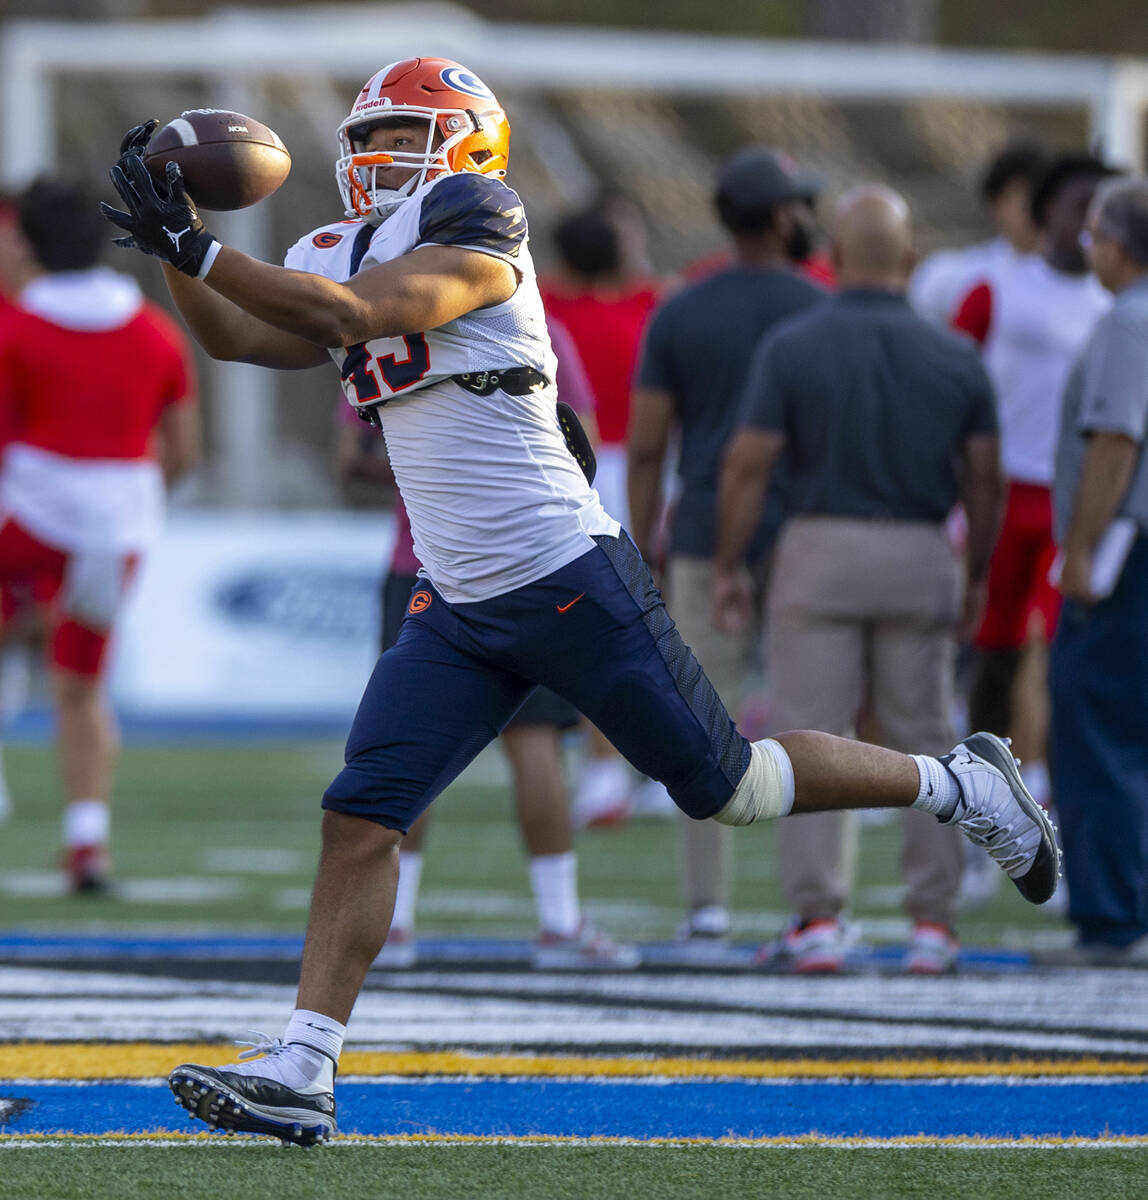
[{"x": 997, "y": 813}]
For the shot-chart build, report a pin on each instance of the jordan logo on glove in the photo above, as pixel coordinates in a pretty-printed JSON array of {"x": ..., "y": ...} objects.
[{"x": 175, "y": 237}]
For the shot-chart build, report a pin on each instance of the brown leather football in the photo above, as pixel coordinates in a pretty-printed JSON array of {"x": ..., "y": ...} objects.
[{"x": 228, "y": 160}]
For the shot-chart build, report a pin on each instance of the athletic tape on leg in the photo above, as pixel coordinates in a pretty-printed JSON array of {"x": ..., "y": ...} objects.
[{"x": 766, "y": 789}]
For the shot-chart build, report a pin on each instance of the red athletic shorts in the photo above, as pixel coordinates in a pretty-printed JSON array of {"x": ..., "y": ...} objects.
[
  {"x": 78, "y": 596},
  {"x": 1018, "y": 572}
]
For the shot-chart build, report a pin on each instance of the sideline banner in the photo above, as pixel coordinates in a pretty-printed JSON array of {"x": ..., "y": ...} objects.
[{"x": 257, "y": 615}]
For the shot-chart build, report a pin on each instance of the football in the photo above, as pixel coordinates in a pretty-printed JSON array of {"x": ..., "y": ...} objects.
[{"x": 228, "y": 160}]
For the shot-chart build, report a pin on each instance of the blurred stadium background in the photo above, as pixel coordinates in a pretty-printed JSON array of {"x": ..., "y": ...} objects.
[
  {"x": 256, "y": 615},
  {"x": 915, "y": 92}
]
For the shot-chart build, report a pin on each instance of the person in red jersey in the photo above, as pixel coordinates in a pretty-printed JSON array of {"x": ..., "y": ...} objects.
[
  {"x": 1032, "y": 315},
  {"x": 604, "y": 306},
  {"x": 603, "y": 296},
  {"x": 14, "y": 671},
  {"x": 97, "y": 407}
]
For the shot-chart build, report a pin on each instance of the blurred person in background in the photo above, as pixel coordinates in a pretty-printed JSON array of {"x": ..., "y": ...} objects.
[
  {"x": 885, "y": 422},
  {"x": 1031, "y": 315},
  {"x": 98, "y": 404},
  {"x": 689, "y": 386},
  {"x": 532, "y": 740},
  {"x": 1099, "y": 672},
  {"x": 602, "y": 294},
  {"x": 18, "y": 266},
  {"x": 943, "y": 279},
  {"x": 936, "y": 290}
]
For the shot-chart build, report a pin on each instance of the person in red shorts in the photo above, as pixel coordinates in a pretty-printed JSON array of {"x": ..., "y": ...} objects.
[
  {"x": 97, "y": 411},
  {"x": 603, "y": 297},
  {"x": 1032, "y": 314}
]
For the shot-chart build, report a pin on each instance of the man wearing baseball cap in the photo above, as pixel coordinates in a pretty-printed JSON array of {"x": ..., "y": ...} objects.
[{"x": 689, "y": 380}]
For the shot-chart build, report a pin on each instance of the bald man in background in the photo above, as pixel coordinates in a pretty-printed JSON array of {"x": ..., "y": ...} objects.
[{"x": 886, "y": 422}]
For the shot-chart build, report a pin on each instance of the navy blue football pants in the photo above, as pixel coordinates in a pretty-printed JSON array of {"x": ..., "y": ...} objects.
[
  {"x": 596, "y": 631},
  {"x": 1098, "y": 750}
]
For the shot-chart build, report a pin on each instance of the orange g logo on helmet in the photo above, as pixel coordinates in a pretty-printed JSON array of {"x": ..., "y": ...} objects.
[{"x": 420, "y": 602}]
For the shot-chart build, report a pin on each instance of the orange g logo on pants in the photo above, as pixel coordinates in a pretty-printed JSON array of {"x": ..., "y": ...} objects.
[{"x": 420, "y": 601}]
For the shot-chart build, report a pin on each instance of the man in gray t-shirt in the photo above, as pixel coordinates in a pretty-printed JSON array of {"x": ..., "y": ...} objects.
[{"x": 1099, "y": 669}]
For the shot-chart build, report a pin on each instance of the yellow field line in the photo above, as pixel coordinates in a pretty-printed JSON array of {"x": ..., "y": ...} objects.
[{"x": 142, "y": 1060}]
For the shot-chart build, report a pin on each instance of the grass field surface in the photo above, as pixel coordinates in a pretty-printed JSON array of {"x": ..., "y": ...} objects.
[
  {"x": 576, "y": 1172},
  {"x": 226, "y": 836},
  {"x": 473, "y": 1075}
]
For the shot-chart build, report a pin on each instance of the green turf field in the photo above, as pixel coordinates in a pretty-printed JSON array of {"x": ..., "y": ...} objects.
[
  {"x": 226, "y": 836},
  {"x": 556, "y": 1172}
]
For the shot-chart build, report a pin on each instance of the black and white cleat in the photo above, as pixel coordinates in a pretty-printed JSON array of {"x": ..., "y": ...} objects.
[{"x": 232, "y": 1102}]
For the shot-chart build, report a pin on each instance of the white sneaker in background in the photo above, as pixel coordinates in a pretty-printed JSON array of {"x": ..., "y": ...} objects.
[
  {"x": 711, "y": 921},
  {"x": 651, "y": 801},
  {"x": 602, "y": 798},
  {"x": 816, "y": 947},
  {"x": 703, "y": 936},
  {"x": 586, "y": 950},
  {"x": 400, "y": 951},
  {"x": 980, "y": 879},
  {"x": 932, "y": 949}
]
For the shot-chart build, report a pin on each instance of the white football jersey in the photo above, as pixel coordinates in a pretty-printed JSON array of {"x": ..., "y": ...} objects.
[
  {"x": 1041, "y": 319},
  {"x": 944, "y": 279},
  {"x": 495, "y": 499}
]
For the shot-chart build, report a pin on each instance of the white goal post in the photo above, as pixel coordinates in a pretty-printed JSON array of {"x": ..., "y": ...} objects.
[
  {"x": 241, "y": 45},
  {"x": 238, "y": 49}
]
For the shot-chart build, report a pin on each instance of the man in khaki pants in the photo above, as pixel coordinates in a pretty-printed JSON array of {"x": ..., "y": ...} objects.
[{"x": 886, "y": 422}]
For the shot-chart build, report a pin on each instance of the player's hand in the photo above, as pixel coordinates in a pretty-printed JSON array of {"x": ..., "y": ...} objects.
[
  {"x": 732, "y": 600},
  {"x": 136, "y": 139},
  {"x": 135, "y": 142},
  {"x": 159, "y": 220}
]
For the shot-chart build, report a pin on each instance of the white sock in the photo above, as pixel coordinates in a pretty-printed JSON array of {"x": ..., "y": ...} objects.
[
  {"x": 938, "y": 792},
  {"x": 86, "y": 823},
  {"x": 15, "y": 678},
  {"x": 554, "y": 880},
  {"x": 5, "y": 798},
  {"x": 407, "y": 892},
  {"x": 312, "y": 1031},
  {"x": 1034, "y": 775}
]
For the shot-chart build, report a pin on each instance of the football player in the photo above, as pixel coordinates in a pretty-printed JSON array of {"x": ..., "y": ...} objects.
[
  {"x": 425, "y": 298},
  {"x": 89, "y": 448}
]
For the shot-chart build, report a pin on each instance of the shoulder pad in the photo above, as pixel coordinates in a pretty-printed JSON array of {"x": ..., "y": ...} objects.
[{"x": 468, "y": 209}]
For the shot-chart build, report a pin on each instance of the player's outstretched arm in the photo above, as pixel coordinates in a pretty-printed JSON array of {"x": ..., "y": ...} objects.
[
  {"x": 162, "y": 221},
  {"x": 420, "y": 290},
  {"x": 229, "y": 334}
]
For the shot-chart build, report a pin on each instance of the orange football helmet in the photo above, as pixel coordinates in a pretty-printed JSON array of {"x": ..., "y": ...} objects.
[{"x": 461, "y": 114}]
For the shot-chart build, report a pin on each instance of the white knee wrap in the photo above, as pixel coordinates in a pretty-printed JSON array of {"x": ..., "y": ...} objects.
[{"x": 766, "y": 788}]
